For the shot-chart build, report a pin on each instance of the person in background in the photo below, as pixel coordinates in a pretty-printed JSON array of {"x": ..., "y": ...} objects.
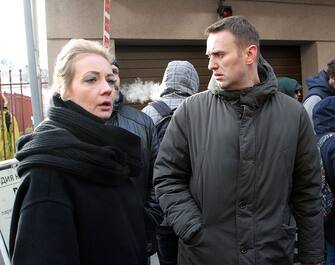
[
  {"x": 137, "y": 122},
  {"x": 9, "y": 130},
  {"x": 77, "y": 204},
  {"x": 180, "y": 81},
  {"x": 324, "y": 126},
  {"x": 290, "y": 87},
  {"x": 238, "y": 163},
  {"x": 319, "y": 87}
]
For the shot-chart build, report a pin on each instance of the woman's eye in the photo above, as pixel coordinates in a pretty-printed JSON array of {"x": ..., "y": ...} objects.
[
  {"x": 90, "y": 80},
  {"x": 111, "y": 81}
]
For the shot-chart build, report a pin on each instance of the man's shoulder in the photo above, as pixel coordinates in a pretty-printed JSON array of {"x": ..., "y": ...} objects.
[
  {"x": 289, "y": 104},
  {"x": 135, "y": 115},
  {"x": 199, "y": 98}
]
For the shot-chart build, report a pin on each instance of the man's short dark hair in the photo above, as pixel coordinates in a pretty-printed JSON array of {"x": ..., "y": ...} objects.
[
  {"x": 115, "y": 62},
  {"x": 240, "y": 27},
  {"x": 331, "y": 69}
]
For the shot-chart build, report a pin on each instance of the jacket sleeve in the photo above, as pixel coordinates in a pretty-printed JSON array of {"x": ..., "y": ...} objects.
[
  {"x": 172, "y": 173},
  {"x": 305, "y": 197},
  {"x": 309, "y": 105},
  {"x": 328, "y": 158},
  {"x": 152, "y": 208},
  {"x": 45, "y": 234}
]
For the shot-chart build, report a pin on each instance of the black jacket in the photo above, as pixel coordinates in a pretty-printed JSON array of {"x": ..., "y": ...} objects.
[
  {"x": 77, "y": 203},
  {"x": 233, "y": 169},
  {"x": 140, "y": 124}
]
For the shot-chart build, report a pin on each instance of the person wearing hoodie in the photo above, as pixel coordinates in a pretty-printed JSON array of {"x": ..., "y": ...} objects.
[
  {"x": 9, "y": 130},
  {"x": 290, "y": 87},
  {"x": 77, "y": 204},
  {"x": 324, "y": 126},
  {"x": 319, "y": 87},
  {"x": 180, "y": 81},
  {"x": 238, "y": 168},
  {"x": 137, "y": 122}
]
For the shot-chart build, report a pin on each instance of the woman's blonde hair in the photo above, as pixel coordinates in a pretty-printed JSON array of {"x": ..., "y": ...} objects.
[{"x": 63, "y": 71}]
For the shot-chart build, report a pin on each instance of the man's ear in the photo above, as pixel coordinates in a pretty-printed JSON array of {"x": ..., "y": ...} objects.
[{"x": 251, "y": 54}]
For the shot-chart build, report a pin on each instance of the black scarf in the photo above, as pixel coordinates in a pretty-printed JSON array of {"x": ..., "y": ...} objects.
[{"x": 75, "y": 141}]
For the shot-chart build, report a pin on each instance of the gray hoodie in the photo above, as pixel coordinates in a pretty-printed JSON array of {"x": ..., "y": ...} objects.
[{"x": 180, "y": 80}]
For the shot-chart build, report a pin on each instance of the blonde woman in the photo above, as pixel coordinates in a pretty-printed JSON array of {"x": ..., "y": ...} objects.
[{"x": 77, "y": 203}]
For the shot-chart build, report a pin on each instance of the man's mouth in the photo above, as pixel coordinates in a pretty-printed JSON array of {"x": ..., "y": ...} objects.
[{"x": 218, "y": 76}]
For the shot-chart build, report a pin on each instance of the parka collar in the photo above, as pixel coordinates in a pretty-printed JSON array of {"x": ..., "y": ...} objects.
[{"x": 255, "y": 96}]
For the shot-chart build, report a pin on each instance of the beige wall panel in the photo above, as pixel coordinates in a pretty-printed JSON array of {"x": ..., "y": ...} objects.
[
  {"x": 309, "y": 55},
  {"x": 166, "y": 19},
  {"x": 284, "y": 20},
  {"x": 74, "y": 18},
  {"x": 276, "y": 21},
  {"x": 163, "y": 19},
  {"x": 311, "y": 2},
  {"x": 326, "y": 52}
]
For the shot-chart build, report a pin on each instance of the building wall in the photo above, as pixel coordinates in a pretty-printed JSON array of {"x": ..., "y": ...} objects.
[{"x": 304, "y": 22}]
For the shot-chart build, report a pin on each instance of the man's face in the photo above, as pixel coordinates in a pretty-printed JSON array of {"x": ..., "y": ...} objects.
[
  {"x": 227, "y": 61},
  {"x": 298, "y": 95},
  {"x": 116, "y": 76}
]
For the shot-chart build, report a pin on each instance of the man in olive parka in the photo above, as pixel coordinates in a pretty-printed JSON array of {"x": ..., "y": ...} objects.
[{"x": 238, "y": 163}]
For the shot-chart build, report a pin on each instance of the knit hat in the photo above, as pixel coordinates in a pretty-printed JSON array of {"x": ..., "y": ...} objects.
[{"x": 288, "y": 86}]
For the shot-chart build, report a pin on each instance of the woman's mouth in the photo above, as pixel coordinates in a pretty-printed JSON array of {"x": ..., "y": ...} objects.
[{"x": 106, "y": 105}]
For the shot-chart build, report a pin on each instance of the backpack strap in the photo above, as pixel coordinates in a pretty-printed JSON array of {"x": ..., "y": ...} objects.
[
  {"x": 162, "y": 108},
  {"x": 324, "y": 138}
]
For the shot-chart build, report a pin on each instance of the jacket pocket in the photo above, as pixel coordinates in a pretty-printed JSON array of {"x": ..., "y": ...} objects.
[{"x": 287, "y": 241}]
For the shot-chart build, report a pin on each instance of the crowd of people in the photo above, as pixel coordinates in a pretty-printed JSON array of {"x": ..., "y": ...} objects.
[{"x": 225, "y": 176}]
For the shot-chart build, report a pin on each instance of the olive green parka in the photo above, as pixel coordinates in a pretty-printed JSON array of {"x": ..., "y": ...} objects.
[{"x": 236, "y": 173}]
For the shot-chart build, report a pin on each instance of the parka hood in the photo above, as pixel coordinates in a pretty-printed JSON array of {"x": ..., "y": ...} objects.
[
  {"x": 318, "y": 85},
  {"x": 181, "y": 78},
  {"x": 252, "y": 96},
  {"x": 320, "y": 81},
  {"x": 324, "y": 116}
]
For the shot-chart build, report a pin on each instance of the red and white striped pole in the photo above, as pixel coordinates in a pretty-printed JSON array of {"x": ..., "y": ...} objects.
[{"x": 106, "y": 35}]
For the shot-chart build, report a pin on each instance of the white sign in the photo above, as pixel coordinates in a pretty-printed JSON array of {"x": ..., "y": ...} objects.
[{"x": 9, "y": 183}]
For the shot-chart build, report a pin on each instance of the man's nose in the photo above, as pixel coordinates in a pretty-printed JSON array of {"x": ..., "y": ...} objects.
[{"x": 211, "y": 63}]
